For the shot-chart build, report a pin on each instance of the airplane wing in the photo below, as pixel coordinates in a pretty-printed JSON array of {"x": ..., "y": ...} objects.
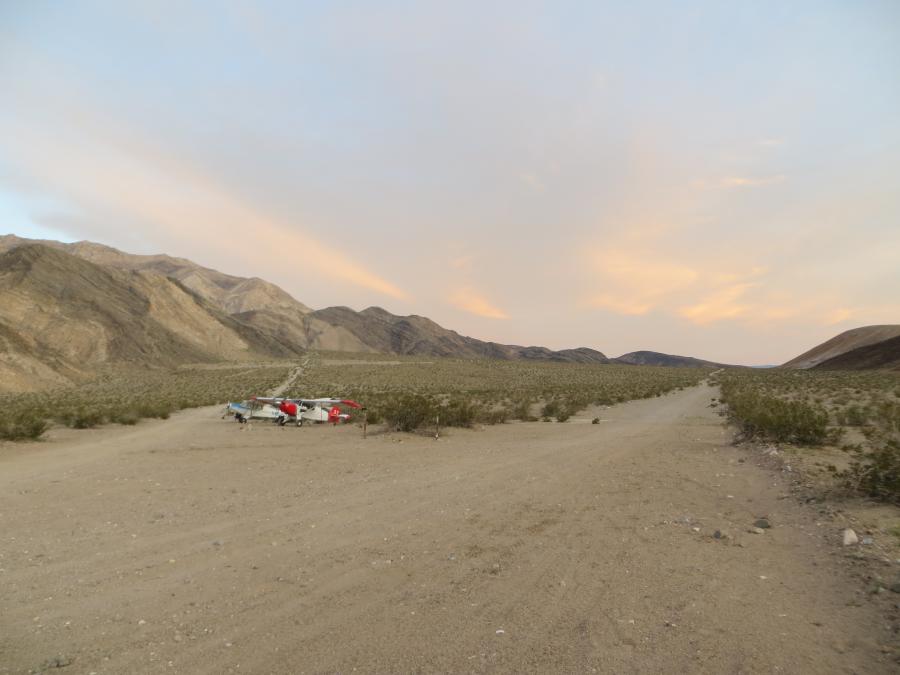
[
  {"x": 327, "y": 401},
  {"x": 267, "y": 400}
]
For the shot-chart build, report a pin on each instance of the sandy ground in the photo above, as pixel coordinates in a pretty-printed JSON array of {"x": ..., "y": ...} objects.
[{"x": 188, "y": 546}]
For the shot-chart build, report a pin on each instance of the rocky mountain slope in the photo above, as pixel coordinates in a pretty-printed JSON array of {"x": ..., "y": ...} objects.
[
  {"x": 229, "y": 293},
  {"x": 62, "y": 316},
  {"x": 273, "y": 312},
  {"x": 846, "y": 342},
  {"x": 65, "y": 309}
]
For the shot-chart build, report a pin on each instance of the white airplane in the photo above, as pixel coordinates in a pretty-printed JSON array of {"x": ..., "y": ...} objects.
[
  {"x": 299, "y": 410},
  {"x": 247, "y": 410}
]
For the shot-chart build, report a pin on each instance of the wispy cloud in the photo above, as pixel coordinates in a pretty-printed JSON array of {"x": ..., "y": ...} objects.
[
  {"x": 470, "y": 300},
  {"x": 750, "y": 181},
  {"x": 724, "y": 303},
  {"x": 462, "y": 262}
]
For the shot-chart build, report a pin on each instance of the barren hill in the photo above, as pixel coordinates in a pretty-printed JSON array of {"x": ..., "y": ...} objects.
[
  {"x": 845, "y": 342},
  {"x": 645, "y": 358},
  {"x": 884, "y": 355},
  {"x": 62, "y": 316}
]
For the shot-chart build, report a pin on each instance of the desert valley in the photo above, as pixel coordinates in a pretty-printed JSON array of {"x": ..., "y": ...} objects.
[
  {"x": 494, "y": 507},
  {"x": 473, "y": 337}
]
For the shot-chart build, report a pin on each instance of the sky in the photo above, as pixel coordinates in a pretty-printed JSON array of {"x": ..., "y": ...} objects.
[{"x": 712, "y": 179}]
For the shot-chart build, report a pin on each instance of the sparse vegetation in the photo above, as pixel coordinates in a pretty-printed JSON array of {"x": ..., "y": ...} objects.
[
  {"x": 815, "y": 408},
  {"x": 409, "y": 393},
  {"x": 124, "y": 396}
]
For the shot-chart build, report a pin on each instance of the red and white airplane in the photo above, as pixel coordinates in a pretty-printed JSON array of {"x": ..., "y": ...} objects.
[{"x": 302, "y": 410}]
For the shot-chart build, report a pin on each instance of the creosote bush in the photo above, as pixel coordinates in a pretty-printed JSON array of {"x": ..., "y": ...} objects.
[
  {"x": 876, "y": 473},
  {"x": 768, "y": 417},
  {"x": 22, "y": 426}
]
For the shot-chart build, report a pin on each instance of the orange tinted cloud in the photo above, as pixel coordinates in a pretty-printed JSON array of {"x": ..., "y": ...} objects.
[
  {"x": 636, "y": 282},
  {"x": 743, "y": 181},
  {"x": 470, "y": 300},
  {"x": 837, "y": 316},
  {"x": 724, "y": 303}
]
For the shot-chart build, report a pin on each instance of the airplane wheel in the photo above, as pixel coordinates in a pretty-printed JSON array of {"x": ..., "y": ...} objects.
[{"x": 299, "y": 423}]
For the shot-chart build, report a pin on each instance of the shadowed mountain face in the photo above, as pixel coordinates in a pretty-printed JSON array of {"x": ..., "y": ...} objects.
[
  {"x": 884, "y": 355},
  {"x": 826, "y": 354}
]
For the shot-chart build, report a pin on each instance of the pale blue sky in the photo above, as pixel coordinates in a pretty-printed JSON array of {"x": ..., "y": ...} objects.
[{"x": 694, "y": 178}]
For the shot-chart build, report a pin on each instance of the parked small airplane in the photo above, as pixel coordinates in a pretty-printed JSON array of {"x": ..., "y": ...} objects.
[{"x": 299, "y": 410}]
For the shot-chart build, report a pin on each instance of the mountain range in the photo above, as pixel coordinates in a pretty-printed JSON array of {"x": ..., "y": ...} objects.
[{"x": 66, "y": 309}]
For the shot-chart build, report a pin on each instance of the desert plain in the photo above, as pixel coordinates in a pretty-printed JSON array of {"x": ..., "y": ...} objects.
[{"x": 193, "y": 545}]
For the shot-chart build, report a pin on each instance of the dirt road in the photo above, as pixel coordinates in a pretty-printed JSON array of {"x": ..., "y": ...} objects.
[{"x": 188, "y": 546}]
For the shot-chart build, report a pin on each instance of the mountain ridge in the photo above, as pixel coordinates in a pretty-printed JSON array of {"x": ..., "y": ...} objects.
[{"x": 66, "y": 308}]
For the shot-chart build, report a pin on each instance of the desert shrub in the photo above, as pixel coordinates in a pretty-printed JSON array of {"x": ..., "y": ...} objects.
[
  {"x": 410, "y": 412},
  {"x": 550, "y": 409},
  {"x": 563, "y": 415},
  {"x": 776, "y": 419},
  {"x": 154, "y": 409},
  {"x": 876, "y": 473},
  {"x": 457, "y": 413},
  {"x": 372, "y": 416},
  {"x": 124, "y": 417},
  {"x": 86, "y": 419},
  {"x": 889, "y": 415},
  {"x": 23, "y": 426},
  {"x": 521, "y": 410},
  {"x": 853, "y": 416},
  {"x": 494, "y": 416}
]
